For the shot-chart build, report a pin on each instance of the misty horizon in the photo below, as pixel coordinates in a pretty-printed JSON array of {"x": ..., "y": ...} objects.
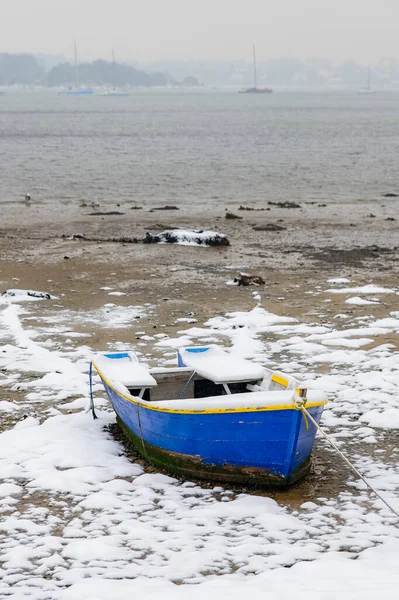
[
  {"x": 61, "y": 57},
  {"x": 188, "y": 30},
  {"x": 56, "y": 70}
]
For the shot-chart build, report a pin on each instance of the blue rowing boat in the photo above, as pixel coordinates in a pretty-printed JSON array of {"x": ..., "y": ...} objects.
[{"x": 214, "y": 416}]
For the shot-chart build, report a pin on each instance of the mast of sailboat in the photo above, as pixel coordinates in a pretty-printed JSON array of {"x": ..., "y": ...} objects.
[
  {"x": 76, "y": 63},
  {"x": 113, "y": 69},
  {"x": 255, "y": 78}
]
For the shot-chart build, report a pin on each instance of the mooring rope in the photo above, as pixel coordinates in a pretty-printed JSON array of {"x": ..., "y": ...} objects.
[
  {"x": 93, "y": 412},
  {"x": 299, "y": 403}
]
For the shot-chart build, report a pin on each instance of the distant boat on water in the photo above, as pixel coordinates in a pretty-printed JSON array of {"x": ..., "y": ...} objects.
[
  {"x": 367, "y": 89},
  {"x": 76, "y": 90},
  {"x": 114, "y": 91},
  {"x": 255, "y": 89}
]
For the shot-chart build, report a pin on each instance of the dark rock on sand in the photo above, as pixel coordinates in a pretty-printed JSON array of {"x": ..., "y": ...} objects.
[
  {"x": 162, "y": 227},
  {"x": 390, "y": 219},
  {"x": 285, "y": 204},
  {"x": 244, "y": 279},
  {"x": 269, "y": 227},
  {"x": 390, "y": 195},
  {"x": 136, "y": 207},
  {"x": 74, "y": 236},
  {"x": 230, "y": 215},
  {"x": 250, "y": 208},
  {"x": 153, "y": 238},
  {"x": 119, "y": 240},
  {"x": 167, "y": 207},
  {"x": 104, "y": 214}
]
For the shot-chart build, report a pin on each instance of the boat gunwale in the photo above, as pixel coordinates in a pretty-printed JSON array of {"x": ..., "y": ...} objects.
[{"x": 150, "y": 405}]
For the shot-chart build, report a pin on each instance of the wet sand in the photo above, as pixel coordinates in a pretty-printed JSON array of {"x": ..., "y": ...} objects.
[
  {"x": 347, "y": 237},
  {"x": 319, "y": 242}
]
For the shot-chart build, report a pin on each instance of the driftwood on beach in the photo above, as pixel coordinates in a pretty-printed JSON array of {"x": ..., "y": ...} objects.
[
  {"x": 26, "y": 294},
  {"x": 103, "y": 240},
  {"x": 172, "y": 236},
  {"x": 194, "y": 238},
  {"x": 286, "y": 204},
  {"x": 110, "y": 213},
  {"x": 167, "y": 207}
]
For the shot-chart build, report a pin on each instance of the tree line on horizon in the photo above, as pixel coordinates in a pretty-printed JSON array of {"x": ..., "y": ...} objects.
[
  {"x": 25, "y": 69},
  {"x": 29, "y": 69}
]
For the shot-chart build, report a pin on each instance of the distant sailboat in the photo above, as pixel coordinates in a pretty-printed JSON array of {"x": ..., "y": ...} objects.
[
  {"x": 255, "y": 89},
  {"x": 367, "y": 89},
  {"x": 114, "y": 91},
  {"x": 77, "y": 90}
]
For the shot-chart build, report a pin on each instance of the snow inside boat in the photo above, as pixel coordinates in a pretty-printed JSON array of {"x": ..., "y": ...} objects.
[{"x": 214, "y": 416}]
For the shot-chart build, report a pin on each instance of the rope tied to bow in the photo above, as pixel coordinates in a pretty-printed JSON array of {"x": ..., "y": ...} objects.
[{"x": 299, "y": 401}]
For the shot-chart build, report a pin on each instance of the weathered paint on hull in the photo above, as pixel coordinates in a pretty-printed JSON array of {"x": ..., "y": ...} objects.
[
  {"x": 260, "y": 448},
  {"x": 189, "y": 466}
]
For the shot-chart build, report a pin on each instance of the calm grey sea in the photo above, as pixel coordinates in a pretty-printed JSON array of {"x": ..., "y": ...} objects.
[{"x": 203, "y": 146}]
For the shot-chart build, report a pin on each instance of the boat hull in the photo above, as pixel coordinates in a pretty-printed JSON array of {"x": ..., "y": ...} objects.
[
  {"x": 256, "y": 91},
  {"x": 77, "y": 92},
  {"x": 259, "y": 447}
]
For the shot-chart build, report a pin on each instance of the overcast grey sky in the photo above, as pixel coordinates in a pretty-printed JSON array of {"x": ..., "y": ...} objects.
[{"x": 202, "y": 29}]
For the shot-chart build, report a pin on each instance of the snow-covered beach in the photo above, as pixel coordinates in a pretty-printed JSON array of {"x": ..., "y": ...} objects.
[{"x": 82, "y": 519}]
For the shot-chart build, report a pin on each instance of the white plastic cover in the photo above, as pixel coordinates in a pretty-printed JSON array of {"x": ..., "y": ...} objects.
[
  {"x": 215, "y": 364},
  {"x": 125, "y": 369}
]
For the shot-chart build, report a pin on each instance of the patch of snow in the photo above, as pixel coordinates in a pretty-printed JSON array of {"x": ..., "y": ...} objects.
[
  {"x": 27, "y": 295},
  {"x": 109, "y": 316},
  {"x": 365, "y": 289},
  {"x": 387, "y": 418},
  {"x": 338, "y": 280},
  {"x": 186, "y": 320},
  {"x": 360, "y": 301},
  {"x": 8, "y": 407}
]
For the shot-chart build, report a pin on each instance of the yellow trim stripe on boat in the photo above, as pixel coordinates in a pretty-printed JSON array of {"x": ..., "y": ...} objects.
[
  {"x": 281, "y": 380},
  {"x": 209, "y": 411}
]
